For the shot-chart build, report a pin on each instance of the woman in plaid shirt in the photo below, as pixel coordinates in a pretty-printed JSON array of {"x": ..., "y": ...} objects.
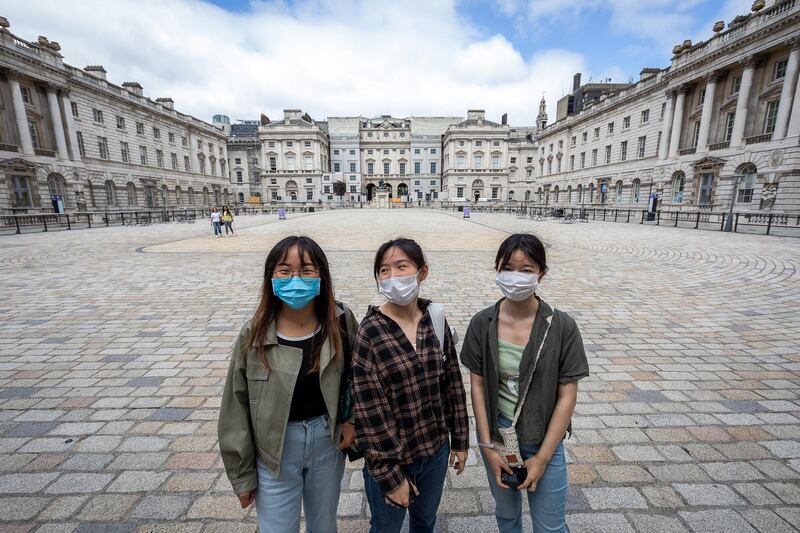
[{"x": 409, "y": 401}]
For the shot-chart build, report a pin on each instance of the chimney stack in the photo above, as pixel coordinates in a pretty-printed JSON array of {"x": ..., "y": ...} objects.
[
  {"x": 96, "y": 70},
  {"x": 167, "y": 102},
  {"x": 133, "y": 87},
  {"x": 504, "y": 119},
  {"x": 576, "y": 82}
]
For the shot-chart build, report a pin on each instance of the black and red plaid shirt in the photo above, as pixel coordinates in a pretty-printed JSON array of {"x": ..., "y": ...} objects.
[{"x": 406, "y": 401}]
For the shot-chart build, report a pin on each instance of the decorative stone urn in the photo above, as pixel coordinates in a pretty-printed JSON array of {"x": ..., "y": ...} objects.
[
  {"x": 687, "y": 44},
  {"x": 677, "y": 49},
  {"x": 719, "y": 26},
  {"x": 758, "y": 5},
  {"x": 4, "y": 23}
]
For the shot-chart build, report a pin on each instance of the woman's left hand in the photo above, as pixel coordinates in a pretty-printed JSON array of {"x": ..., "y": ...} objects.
[
  {"x": 348, "y": 436},
  {"x": 535, "y": 467},
  {"x": 461, "y": 458}
]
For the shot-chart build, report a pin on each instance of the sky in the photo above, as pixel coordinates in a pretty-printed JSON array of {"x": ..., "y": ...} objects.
[{"x": 242, "y": 58}]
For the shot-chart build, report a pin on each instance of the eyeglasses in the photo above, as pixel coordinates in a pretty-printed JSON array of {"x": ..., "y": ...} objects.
[{"x": 306, "y": 272}]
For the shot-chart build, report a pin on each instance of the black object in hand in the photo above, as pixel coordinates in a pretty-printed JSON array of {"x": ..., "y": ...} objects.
[{"x": 516, "y": 478}]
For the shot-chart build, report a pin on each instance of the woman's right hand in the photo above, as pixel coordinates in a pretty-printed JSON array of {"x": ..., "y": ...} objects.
[
  {"x": 497, "y": 464},
  {"x": 247, "y": 498}
]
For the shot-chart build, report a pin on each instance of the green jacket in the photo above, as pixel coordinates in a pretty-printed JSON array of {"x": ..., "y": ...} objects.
[
  {"x": 256, "y": 401},
  {"x": 562, "y": 360}
]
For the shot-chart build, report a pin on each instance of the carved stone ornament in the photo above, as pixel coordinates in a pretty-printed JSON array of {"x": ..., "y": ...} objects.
[
  {"x": 719, "y": 26},
  {"x": 758, "y": 5},
  {"x": 768, "y": 195},
  {"x": 775, "y": 159}
]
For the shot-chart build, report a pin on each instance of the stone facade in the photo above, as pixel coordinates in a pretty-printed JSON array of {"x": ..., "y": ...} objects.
[
  {"x": 69, "y": 134},
  {"x": 716, "y": 130}
]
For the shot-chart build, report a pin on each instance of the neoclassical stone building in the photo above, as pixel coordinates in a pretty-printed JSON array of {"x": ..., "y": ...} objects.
[
  {"x": 716, "y": 130},
  {"x": 70, "y": 140}
]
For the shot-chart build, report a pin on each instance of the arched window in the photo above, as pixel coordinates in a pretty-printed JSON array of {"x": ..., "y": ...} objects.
[
  {"x": 555, "y": 193},
  {"x": 527, "y": 196},
  {"x": 130, "y": 188},
  {"x": 241, "y": 197},
  {"x": 569, "y": 194},
  {"x": 635, "y": 191},
  {"x": 580, "y": 194},
  {"x": 206, "y": 198},
  {"x": 191, "y": 196},
  {"x": 164, "y": 195},
  {"x": 678, "y": 187},
  {"x": 177, "y": 195},
  {"x": 111, "y": 193},
  {"x": 619, "y": 191},
  {"x": 511, "y": 195},
  {"x": 291, "y": 190},
  {"x": 539, "y": 195},
  {"x": 747, "y": 182},
  {"x": 22, "y": 191},
  {"x": 591, "y": 193}
]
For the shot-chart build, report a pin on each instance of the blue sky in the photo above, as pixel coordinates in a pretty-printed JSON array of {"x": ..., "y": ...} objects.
[{"x": 368, "y": 57}]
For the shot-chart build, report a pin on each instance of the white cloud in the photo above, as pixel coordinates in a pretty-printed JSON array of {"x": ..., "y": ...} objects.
[{"x": 327, "y": 57}]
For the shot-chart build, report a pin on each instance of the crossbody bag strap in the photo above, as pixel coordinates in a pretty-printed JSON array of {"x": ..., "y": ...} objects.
[{"x": 518, "y": 411}]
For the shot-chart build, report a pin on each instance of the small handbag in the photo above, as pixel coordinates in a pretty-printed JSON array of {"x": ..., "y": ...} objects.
[{"x": 509, "y": 448}]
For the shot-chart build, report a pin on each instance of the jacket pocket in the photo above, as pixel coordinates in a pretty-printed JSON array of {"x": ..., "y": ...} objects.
[{"x": 257, "y": 377}]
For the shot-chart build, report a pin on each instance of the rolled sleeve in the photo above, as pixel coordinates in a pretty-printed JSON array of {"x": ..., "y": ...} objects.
[
  {"x": 471, "y": 349},
  {"x": 573, "y": 364}
]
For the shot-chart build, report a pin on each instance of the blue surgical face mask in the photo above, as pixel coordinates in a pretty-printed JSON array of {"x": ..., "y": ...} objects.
[{"x": 296, "y": 292}]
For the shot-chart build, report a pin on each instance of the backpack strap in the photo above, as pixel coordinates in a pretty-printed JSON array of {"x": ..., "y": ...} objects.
[{"x": 437, "y": 316}]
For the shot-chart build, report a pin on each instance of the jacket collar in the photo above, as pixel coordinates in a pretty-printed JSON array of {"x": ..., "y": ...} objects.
[
  {"x": 422, "y": 303},
  {"x": 272, "y": 332},
  {"x": 544, "y": 309}
]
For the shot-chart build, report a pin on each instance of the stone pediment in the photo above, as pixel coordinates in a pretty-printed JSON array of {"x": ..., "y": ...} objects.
[
  {"x": 18, "y": 163},
  {"x": 709, "y": 162}
]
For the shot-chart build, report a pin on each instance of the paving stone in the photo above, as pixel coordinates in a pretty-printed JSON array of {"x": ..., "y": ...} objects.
[
  {"x": 107, "y": 507},
  {"x": 707, "y": 494},
  {"x": 623, "y": 473},
  {"x": 80, "y": 483},
  {"x": 87, "y": 461},
  {"x": 788, "y": 492},
  {"x": 766, "y": 521},
  {"x": 663, "y": 497},
  {"x": 20, "y": 508},
  {"x": 677, "y": 472},
  {"x": 598, "y": 523},
  {"x": 731, "y": 471},
  {"x": 785, "y": 449},
  {"x": 614, "y": 498},
  {"x": 220, "y": 507},
  {"x": 62, "y": 507},
  {"x": 656, "y": 523},
  {"x": 25, "y": 483},
  {"x": 161, "y": 507},
  {"x": 138, "y": 481},
  {"x": 716, "y": 521}
]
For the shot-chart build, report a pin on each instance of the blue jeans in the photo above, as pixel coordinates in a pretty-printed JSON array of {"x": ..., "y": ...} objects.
[
  {"x": 217, "y": 228},
  {"x": 547, "y": 504},
  {"x": 311, "y": 473},
  {"x": 428, "y": 474}
]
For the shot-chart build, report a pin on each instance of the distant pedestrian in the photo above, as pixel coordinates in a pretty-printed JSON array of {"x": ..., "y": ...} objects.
[
  {"x": 216, "y": 222},
  {"x": 227, "y": 219}
]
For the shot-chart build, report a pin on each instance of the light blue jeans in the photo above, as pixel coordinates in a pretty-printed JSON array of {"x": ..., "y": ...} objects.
[
  {"x": 548, "y": 503},
  {"x": 311, "y": 473}
]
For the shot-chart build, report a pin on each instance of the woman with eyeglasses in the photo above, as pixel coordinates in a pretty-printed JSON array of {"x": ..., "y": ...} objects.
[
  {"x": 280, "y": 430},
  {"x": 409, "y": 401}
]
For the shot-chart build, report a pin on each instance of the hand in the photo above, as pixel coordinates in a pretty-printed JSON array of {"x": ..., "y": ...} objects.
[
  {"x": 400, "y": 494},
  {"x": 247, "y": 498},
  {"x": 497, "y": 464},
  {"x": 535, "y": 466},
  {"x": 461, "y": 458},
  {"x": 348, "y": 436}
]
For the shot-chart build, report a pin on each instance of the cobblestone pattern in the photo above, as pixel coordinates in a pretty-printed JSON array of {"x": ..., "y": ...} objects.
[{"x": 114, "y": 345}]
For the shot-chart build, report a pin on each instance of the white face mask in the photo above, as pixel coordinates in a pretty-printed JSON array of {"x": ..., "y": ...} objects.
[
  {"x": 400, "y": 290},
  {"x": 517, "y": 286}
]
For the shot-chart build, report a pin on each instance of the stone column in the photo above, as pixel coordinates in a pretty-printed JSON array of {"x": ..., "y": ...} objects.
[
  {"x": 788, "y": 91},
  {"x": 663, "y": 148},
  {"x": 708, "y": 108},
  {"x": 677, "y": 123},
  {"x": 19, "y": 115},
  {"x": 55, "y": 119},
  {"x": 72, "y": 137},
  {"x": 737, "y": 138}
]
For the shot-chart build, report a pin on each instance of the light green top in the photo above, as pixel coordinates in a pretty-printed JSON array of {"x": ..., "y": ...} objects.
[{"x": 510, "y": 356}]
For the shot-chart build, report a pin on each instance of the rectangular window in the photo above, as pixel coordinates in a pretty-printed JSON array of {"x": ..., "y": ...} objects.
[
  {"x": 352, "y": 152},
  {"x": 417, "y": 167},
  {"x": 641, "y": 146},
  {"x": 494, "y": 193},
  {"x": 402, "y": 168},
  {"x": 529, "y": 160},
  {"x": 125, "y": 151},
  {"x": 309, "y": 194},
  {"x": 74, "y": 107},
  {"x": 594, "y": 157},
  {"x": 729, "y": 126},
  {"x": 336, "y": 152},
  {"x": 695, "y": 133},
  {"x": 596, "y": 133},
  {"x": 574, "y": 141},
  {"x": 174, "y": 161},
  {"x": 239, "y": 177},
  {"x": 478, "y": 143},
  {"x": 780, "y": 69},
  {"x": 416, "y": 151},
  {"x": 701, "y": 97},
  {"x": 273, "y": 163},
  {"x": 352, "y": 167},
  {"x": 143, "y": 155},
  {"x": 120, "y": 122},
  {"x": 139, "y": 128},
  {"x": 663, "y": 109},
  {"x": 81, "y": 148},
  {"x": 308, "y": 162},
  {"x": 736, "y": 84},
  {"x": 478, "y": 161},
  {"x": 433, "y": 151},
  {"x": 187, "y": 163},
  {"x": 771, "y": 117},
  {"x": 22, "y": 191},
  {"x": 97, "y": 115},
  {"x": 370, "y": 169},
  {"x": 459, "y": 192},
  {"x": 495, "y": 162},
  {"x": 34, "y": 131},
  {"x": 385, "y": 167},
  {"x": 102, "y": 146},
  {"x": 572, "y": 162},
  {"x": 336, "y": 166},
  {"x": 460, "y": 161},
  {"x": 583, "y": 159},
  {"x": 210, "y": 148},
  {"x": 433, "y": 167},
  {"x": 645, "y": 116},
  {"x": 289, "y": 162},
  {"x": 608, "y": 154},
  {"x": 623, "y": 151},
  {"x": 610, "y": 128},
  {"x": 746, "y": 185},
  {"x": 433, "y": 182},
  {"x": 706, "y": 188},
  {"x": 308, "y": 144},
  {"x": 626, "y": 123},
  {"x": 386, "y": 152},
  {"x": 160, "y": 158},
  {"x": 184, "y": 142},
  {"x": 26, "y": 95},
  {"x": 584, "y": 136}
]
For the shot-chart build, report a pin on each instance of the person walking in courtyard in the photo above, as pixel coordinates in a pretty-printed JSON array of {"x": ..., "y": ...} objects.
[
  {"x": 227, "y": 219},
  {"x": 525, "y": 359},
  {"x": 216, "y": 222},
  {"x": 409, "y": 400},
  {"x": 280, "y": 430}
]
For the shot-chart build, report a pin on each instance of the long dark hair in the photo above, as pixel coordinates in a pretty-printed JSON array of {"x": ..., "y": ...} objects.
[{"x": 324, "y": 304}]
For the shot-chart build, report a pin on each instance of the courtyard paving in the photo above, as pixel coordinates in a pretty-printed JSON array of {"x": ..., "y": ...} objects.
[{"x": 114, "y": 345}]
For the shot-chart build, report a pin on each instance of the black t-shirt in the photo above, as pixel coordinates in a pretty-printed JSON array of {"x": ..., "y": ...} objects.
[{"x": 307, "y": 399}]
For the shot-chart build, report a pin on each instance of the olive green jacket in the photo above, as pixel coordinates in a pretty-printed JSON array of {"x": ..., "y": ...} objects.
[
  {"x": 562, "y": 360},
  {"x": 256, "y": 402}
]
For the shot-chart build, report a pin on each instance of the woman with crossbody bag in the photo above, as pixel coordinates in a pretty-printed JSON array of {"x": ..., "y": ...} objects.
[{"x": 525, "y": 359}]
